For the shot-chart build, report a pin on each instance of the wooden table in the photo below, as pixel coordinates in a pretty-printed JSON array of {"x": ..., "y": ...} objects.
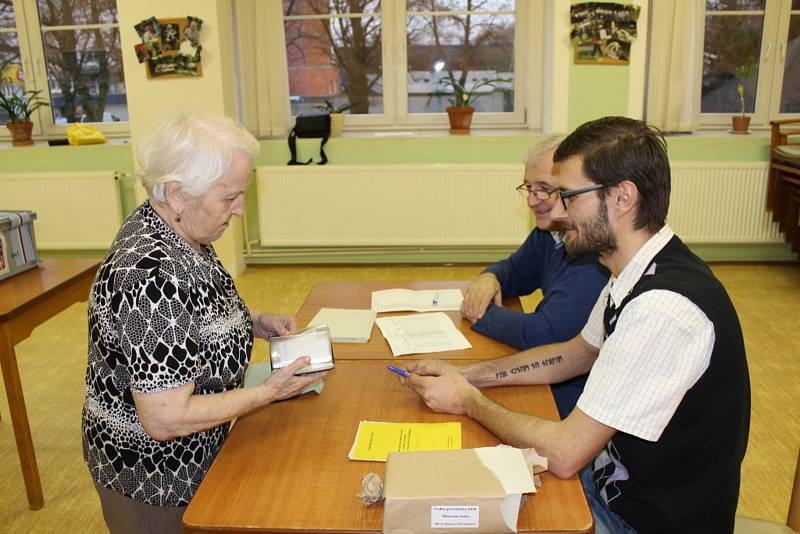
[
  {"x": 26, "y": 301},
  {"x": 359, "y": 295},
  {"x": 284, "y": 468}
]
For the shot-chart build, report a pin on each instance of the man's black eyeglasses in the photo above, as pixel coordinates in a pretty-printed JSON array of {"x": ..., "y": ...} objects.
[
  {"x": 564, "y": 195},
  {"x": 526, "y": 189}
]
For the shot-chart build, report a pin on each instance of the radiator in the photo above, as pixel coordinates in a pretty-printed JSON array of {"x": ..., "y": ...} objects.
[
  {"x": 75, "y": 210},
  {"x": 476, "y": 205},
  {"x": 391, "y": 205},
  {"x": 721, "y": 203}
]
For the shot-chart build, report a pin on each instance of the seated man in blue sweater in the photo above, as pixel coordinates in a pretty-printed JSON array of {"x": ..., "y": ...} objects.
[{"x": 570, "y": 286}]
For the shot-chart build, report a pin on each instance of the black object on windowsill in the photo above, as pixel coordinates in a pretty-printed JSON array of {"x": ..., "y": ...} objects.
[{"x": 57, "y": 142}]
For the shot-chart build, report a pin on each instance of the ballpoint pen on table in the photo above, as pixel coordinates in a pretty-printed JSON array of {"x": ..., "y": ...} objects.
[
  {"x": 401, "y": 372},
  {"x": 436, "y": 299}
]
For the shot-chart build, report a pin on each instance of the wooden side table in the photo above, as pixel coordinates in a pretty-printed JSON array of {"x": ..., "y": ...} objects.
[{"x": 26, "y": 301}]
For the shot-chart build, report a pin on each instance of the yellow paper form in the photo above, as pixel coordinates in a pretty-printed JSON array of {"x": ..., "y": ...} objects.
[{"x": 375, "y": 440}]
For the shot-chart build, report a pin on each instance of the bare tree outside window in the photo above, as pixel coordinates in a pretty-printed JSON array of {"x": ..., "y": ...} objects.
[
  {"x": 333, "y": 50},
  {"x": 84, "y": 65},
  {"x": 731, "y": 37},
  {"x": 790, "y": 95},
  {"x": 11, "y": 75},
  {"x": 468, "y": 40}
]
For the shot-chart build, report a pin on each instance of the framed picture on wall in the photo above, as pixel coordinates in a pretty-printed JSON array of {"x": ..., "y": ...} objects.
[
  {"x": 172, "y": 48},
  {"x": 602, "y": 33}
]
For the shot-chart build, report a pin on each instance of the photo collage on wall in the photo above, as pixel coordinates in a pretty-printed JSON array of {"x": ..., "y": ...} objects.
[
  {"x": 603, "y": 33},
  {"x": 170, "y": 47}
]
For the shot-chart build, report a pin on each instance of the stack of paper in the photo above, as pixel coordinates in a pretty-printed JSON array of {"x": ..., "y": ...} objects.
[
  {"x": 424, "y": 300},
  {"x": 347, "y": 326},
  {"x": 425, "y": 332},
  {"x": 375, "y": 440}
]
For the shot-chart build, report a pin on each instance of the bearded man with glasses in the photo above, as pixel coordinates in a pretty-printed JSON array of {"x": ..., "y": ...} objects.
[
  {"x": 569, "y": 285},
  {"x": 660, "y": 431}
]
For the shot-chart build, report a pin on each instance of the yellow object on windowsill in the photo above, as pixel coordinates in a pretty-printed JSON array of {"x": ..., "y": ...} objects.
[{"x": 83, "y": 134}]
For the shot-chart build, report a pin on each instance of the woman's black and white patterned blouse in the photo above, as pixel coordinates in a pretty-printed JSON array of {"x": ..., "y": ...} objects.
[{"x": 160, "y": 315}]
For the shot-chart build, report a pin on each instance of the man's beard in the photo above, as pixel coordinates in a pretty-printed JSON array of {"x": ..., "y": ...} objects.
[{"x": 593, "y": 236}]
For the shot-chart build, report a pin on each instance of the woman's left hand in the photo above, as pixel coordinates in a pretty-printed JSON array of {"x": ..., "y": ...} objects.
[{"x": 267, "y": 325}]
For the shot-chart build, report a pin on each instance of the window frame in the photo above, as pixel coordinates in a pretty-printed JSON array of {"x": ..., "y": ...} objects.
[
  {"x": 34, "y": 65},
  {"x": 528, "y": 69},
  {"x": 772, "y": 54}
]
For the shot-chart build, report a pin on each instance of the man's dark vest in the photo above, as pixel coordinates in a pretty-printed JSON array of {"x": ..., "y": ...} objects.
[{"x": 688, "y": 480}]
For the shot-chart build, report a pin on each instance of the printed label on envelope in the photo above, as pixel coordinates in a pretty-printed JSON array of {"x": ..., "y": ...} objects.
[{"x": 455, "y": 516}]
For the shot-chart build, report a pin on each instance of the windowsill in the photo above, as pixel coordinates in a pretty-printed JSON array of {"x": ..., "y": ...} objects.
[
  {"x": 425, "y": 133},
  {"x": 509, "y": 132},
  {"x": 39, "y": 143},
  {"x": 721, "y": 133}
]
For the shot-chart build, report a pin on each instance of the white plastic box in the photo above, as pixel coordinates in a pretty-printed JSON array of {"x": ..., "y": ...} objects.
[{"x": 17, "y": 242}]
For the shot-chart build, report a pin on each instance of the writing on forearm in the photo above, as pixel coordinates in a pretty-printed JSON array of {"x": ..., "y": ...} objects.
[{"x": 526, "y": 367}]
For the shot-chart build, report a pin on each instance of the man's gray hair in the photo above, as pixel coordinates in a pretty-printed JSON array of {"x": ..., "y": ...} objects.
[
  {"x": 192, "y": 149},
  {"x": 548, "y": 144}
]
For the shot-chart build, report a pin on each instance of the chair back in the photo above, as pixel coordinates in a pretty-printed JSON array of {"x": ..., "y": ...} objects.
[{"x": 793, "y": 519}]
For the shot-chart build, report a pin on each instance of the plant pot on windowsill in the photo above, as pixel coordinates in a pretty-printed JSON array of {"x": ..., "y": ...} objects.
[
  {"x": 18, "y": 105},
  {"x": 460, "y": 119},
  {"x": 740, "y": 124},
  {"x": 21, "y": 133}
]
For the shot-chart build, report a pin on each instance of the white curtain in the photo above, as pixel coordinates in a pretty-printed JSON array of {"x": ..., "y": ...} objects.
[
  {"x": 676, "y": 65},
  {"x": 261, "y": 66}
]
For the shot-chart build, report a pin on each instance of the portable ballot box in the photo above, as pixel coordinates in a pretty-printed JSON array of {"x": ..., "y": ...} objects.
[
  {"x": 456, "y": 491},
  {"x": 17, "y": 242}
]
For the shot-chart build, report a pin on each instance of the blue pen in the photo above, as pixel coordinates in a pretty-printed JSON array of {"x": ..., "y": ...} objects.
[
  {"x": 401, "y": 372},
  {"x": 436, "y": 299}
]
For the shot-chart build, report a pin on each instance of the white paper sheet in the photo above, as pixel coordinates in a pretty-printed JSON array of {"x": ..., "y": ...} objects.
[
  {"x": 423, "y": 300},
  {"x": 347, "y": 325},
  {"x": 421, "y": 333}
]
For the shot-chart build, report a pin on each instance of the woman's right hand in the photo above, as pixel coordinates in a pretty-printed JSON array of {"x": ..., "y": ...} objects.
[{"x": 283, "y": 383}]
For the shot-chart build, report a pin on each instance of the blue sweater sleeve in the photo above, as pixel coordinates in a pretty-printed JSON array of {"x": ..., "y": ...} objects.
[{"x": 570, "y": 291}]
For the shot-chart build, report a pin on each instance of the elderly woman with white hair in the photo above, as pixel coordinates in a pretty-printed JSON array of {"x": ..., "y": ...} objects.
[{"x": 169, "y": 336}]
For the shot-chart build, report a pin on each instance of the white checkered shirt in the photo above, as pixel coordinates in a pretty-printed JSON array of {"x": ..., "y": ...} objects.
[{"x": 660, "y": 348}]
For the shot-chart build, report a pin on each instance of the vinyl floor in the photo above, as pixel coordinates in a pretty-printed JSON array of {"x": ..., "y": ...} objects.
[{"x": 52, "y": 366}]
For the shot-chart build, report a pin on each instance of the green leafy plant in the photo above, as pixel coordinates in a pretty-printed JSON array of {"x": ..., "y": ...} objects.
[
  {"x": 744, "y": 73},
  {"x": 329, "y": 107},
  {"x": 19, "y": 105},
  {"x": 463, "y": 98}
]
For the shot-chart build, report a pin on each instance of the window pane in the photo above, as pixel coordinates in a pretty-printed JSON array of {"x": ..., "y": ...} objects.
[
  {"x": 460, "y": 5},
  {"x": 471, "y": 49},
  {"x": 69, "y": 12},
  {"x": 332, "y": 7},
  {"x": 790, "y": 96},
  {"x": 338, "y": 60},
  {"x": 735, "y": 5},
  {"x": 7, "y": 14},
  {"x": 84, "y": 72},
  {"x": 11, "y": 76},
  {"x": 729, "y": 42}
]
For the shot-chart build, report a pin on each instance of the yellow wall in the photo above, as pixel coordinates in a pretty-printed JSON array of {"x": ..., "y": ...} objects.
[{"x": 213, "y": 92}]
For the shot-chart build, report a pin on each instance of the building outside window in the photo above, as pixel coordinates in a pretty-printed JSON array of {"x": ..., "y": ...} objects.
[{"x": 385, "y": 59}]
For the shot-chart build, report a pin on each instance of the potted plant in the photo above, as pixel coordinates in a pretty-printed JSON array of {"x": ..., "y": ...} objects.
[
  {"x": 19, "y": 105},
  {"x": 460, "y": 110},
  {"x": 337, "y": 115},
  {"x": 744, "y": 73}
]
